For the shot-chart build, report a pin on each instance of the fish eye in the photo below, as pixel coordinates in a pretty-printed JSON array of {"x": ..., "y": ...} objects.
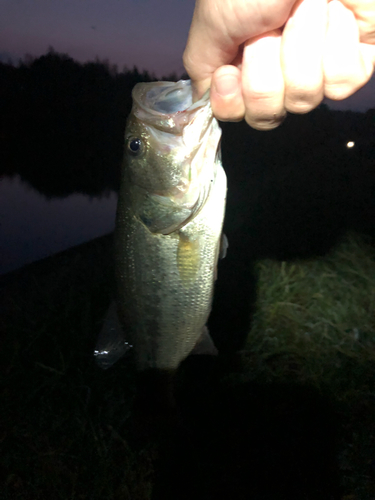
[{"x": 134, "y": 146}]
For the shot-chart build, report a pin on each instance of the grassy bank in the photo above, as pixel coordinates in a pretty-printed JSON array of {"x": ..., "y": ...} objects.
[
  {"x": 293, "y": 417},
  {"x": 315, "y": 324}
]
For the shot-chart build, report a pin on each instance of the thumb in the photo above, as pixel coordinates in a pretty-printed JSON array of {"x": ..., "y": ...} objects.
[
  {"x": 204, "y": 53},
  {"x": 218, "y": 30}
]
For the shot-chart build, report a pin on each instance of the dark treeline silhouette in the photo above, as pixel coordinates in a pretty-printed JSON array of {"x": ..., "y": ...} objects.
[
  {"x": 62, "y": 122},
  {"x": 62, "y": 126}
]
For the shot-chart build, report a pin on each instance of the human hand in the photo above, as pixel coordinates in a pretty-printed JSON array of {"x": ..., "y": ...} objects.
[{"x": 265, "y": 57}]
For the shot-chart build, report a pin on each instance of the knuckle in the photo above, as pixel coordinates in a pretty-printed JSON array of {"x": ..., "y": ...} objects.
[
  {"x": 228, "y": 111},
  {"x": 340, "y": 87},
  {"x": 338, "y": 91},
  {"x": 303, "y": 101},
  {"x": 265, "y": 122},
  {"x": 264, "y": 110},
  {"x": 262, "y": 97},
  {"x": 228, "y": 115}
]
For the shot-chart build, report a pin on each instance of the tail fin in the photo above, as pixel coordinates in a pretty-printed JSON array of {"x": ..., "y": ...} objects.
[{"x": 205, "y": 344}]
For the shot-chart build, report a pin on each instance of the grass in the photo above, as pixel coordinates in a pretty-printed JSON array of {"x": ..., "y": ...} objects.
[
  {"x": 294, "y": 418},
  {"x": 315, "y": 323},
  {"x": 319, "y": 309}
]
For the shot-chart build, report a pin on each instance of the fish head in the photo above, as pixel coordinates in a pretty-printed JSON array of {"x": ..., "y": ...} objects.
[{"x": 171, "y": 146}]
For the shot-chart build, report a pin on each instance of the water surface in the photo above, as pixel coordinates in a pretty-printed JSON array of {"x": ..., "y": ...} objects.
[{"x": 33, "y": 227}]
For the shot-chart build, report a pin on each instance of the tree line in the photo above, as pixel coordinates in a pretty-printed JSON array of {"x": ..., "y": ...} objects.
[{"x": 62, "y": 124}]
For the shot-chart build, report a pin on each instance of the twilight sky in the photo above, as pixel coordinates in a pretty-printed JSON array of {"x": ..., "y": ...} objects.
[{"x": 148, "y": 33}]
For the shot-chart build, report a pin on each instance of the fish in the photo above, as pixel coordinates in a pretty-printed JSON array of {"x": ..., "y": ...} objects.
[{"x": 169, "y": 228}]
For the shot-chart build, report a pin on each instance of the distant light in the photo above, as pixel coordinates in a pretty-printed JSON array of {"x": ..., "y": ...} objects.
[{"x": 350, "y": 144}]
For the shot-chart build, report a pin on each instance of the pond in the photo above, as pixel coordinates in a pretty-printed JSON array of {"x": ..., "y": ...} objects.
[{"x": 33, "y": 227}]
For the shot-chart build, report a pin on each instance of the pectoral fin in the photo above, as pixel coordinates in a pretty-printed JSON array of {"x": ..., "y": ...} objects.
[
  {"x": 224, "y": 244},
  {"x": 222, "y": 251}
]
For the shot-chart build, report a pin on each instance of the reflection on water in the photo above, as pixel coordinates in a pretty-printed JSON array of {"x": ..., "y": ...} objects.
[{"x": 33, "y": 227}]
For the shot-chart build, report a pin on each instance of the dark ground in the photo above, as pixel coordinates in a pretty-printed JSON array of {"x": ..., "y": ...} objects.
[{"x": 70, "y": 430}]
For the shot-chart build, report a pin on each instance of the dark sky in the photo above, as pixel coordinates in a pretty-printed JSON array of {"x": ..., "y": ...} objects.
[{"x": 148, "y": 33}]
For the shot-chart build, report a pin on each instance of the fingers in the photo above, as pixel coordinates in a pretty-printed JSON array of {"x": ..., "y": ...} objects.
[
  {"x": 226, "y": 96},
  {"x": 348, "y": 64},
  {"x": 255, "y": 92},
  {"x": 327, "y": 48},
  {"x": 364, "y": 12},
  {"x": 280, "y": 71},
  {"x": 220, "y": 27},
  {"x": 263, "y": 82},
  {"x": 302, "y": 55}
]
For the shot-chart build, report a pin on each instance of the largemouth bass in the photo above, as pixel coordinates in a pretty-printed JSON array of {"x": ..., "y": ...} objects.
[{"x": 169, "y": 222}]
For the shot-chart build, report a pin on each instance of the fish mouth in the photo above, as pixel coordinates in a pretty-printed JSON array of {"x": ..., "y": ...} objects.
[
  {"x": 164, "y": 97},
  {"x": 167, "y": 106}
]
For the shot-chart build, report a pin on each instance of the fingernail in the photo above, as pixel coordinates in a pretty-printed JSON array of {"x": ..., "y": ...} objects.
[{"x": 226, "y": 85}]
